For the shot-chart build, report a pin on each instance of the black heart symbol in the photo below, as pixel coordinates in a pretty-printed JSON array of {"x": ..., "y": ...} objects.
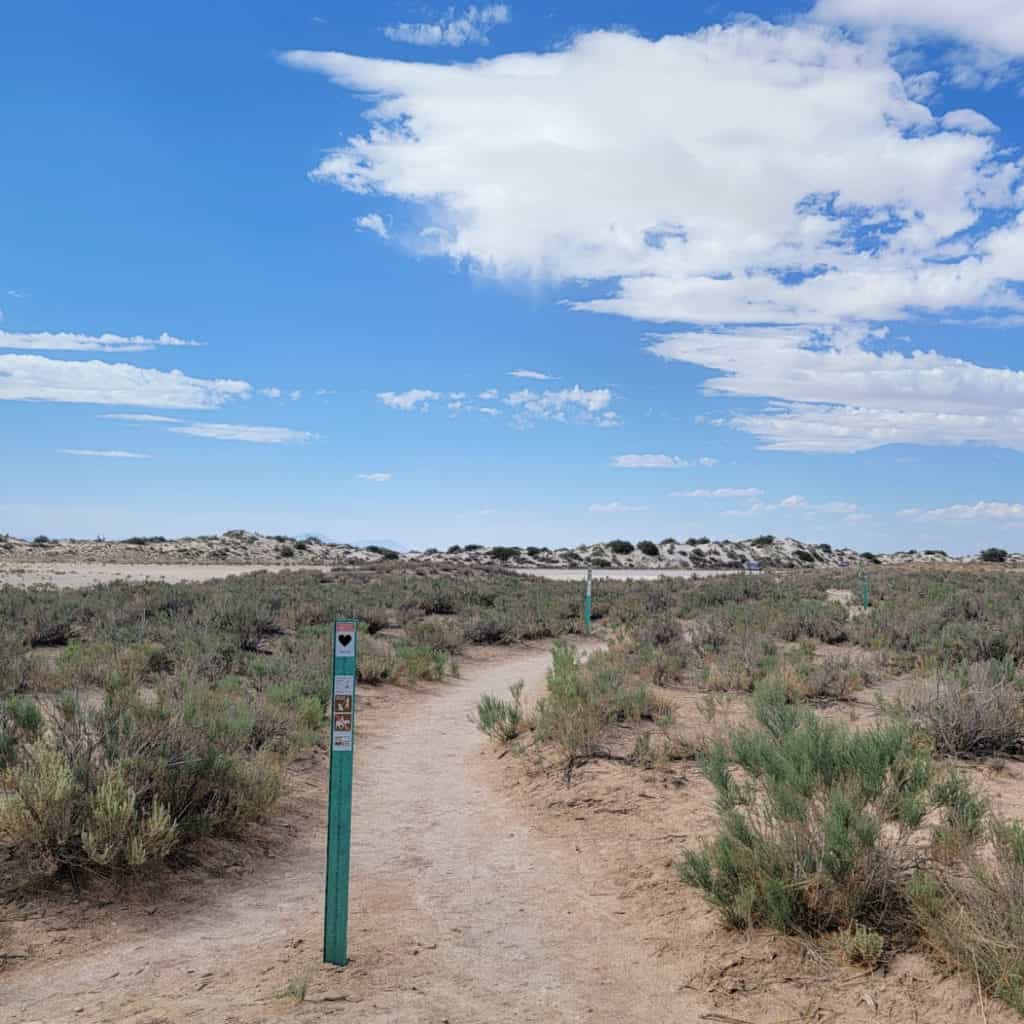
[{"x": 344, "y": 639}]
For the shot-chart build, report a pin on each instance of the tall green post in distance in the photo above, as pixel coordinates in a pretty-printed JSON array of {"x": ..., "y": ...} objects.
[
  {"x": 587, "y": 601},
  {"x": 339, "y": 806},
  {"x": 866, "y": 590}
]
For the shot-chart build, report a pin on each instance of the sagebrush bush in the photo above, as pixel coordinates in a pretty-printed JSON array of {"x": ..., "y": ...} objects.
[
  {"x": 816, "y": 821},
  {"x": 973, "y": 712},
  {"x": 971, "y": 910},
  {"x": 582, "y": 699},
  {"x": 502, "y": 720}
]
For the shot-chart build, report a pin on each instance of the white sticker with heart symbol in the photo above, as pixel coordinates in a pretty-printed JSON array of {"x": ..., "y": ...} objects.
[{"x": 345, "y": 639}]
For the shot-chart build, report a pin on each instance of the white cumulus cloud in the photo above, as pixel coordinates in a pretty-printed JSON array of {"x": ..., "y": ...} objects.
[
  {"x": 993, "y": 24},
  {"x": 415, "y": 399},
  {"x": 469, "y": 26},
  {"x": 585, "y": 406},
  {"x": 374, "y": 222},
  {"x": 38, "y": 378},
  {"x": 530, "y": 374},
  {"x": 375, "y": 477}
]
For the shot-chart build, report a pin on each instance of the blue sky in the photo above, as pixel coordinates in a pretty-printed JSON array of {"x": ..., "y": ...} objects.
[{"x": 274, "y": 266}]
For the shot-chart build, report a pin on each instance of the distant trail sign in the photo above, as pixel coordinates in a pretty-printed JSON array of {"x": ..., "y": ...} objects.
[
  {"x": 339, "y": 807},
  {"x": 587, "y": 600}
]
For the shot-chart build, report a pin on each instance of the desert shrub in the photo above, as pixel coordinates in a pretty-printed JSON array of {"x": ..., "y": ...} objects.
[
  {"x": 502, "y": 720},
  {"x": 763, "y": 541},
  {"x": 41, "y": 539},
  {"x": 386, "y": 553},
  {"x": 420, "y": 661},
  {"x": 376, "y": 661},
  {"x": 669, "y": 540},
  {"x": 286, "y": 551},
  {"x": 869, "y": 557},
  {"x": 504, "y": 554},
  {"x": 124, "y": 783},
  {"x": 971, "y": 911},
  {"x": 486, "y": 629},
  {"x": 816, "y": 828},
  {"x": 649, "y": 548},
  {"x": 973, "y": 712},
  {"x": 993, "y": 555},
  {"x": 862, "y": 946},
  {"x": 832, "y": 678},
  {"x": 620, "y": 547},
  {"x": 582, "y": 699},
  {"x": 696, "y": 541},
  {"x": 454, "y": 549},
  {"x": 440, "y": 633}
]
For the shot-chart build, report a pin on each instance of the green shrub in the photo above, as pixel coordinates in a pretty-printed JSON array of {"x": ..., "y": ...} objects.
[
  {"x": 582, "y": 699},
  {"x": 504, "y": 554},
  {"x": 816, "y": 828},
  {"x": 649, "y": 548},
  {"x": 502, "y": 720},
  {"x": 440, "y": 633},
  {"x": 386, "y": 553},
  {"x": 763, "y": 541},
  {"x": 993, "y": 555},
  {"x": 620, "y": 547},
  {"x": 421, "y": 661}
]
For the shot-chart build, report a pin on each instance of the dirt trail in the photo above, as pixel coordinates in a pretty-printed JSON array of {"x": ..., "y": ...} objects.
[{"x": 461, "y": 912}]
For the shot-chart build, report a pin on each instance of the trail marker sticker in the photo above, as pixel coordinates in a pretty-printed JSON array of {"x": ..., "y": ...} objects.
[{"x": 339, "y": 807}]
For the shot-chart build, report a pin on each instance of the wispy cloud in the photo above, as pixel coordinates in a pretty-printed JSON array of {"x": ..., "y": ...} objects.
[
  {"x": 471, "y": 26},
  {"x": 530, "y": 375},
  {"x": 66, "y": 341},
  {"x": 648, "y": 462},
  {"x": 375, "y": 477},
  {"x": 585, "y": 406},
  {"x": 720, "y": 492},
  {"x": 990, "y": 510},
  {"x": 93, "y": 453},
  {"x": 138, "y": 417},
  {"x": 415, "y": 399},
  {"x": 237, "y": 432},
  {"x": 38, "y": 378},
  {"x": 373, "y": 222},
  {"x": 616, "y": 506}
]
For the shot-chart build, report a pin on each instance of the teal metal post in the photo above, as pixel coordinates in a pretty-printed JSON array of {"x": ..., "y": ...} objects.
[
  {"x": 587, "y": 601},
  {"x": 339, "y": 806},
  {"x": 866, "y": 595}
]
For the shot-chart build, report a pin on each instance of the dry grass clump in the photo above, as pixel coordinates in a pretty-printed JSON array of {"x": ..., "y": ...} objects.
[
  {"x": 975, "y": 711},
  {"x": 971, "y": 911}
]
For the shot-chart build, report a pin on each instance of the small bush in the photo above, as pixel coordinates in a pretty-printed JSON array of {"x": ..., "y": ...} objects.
[
  {"x": 286, "y": 551},
  {"x": 993, "y": 555},
  {"x": 620, "y": 547},
  {"x": 971, "y": 911},
  {"x": 504, "y": 554},
  {"x": 649, "y": 548},
  {"x": 41, "y": 539},
  {"x": 388, "y": 554},
  {"x": 815, "y": 833},
  {"x": 502, "y": 720},
  {"x": 582, "y": 700},
  {"x": 763, "y": 541},
  {"x": 454, "y": 549},
  {"x": 973, "y": 713},
  {"x": 420, "y": 661}
]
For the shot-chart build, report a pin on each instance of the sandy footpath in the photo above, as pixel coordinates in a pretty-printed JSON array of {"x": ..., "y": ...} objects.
[{"x": 461, "y": 911}]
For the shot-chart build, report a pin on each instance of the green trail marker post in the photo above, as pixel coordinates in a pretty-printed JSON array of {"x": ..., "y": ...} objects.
[
  {"x": 865, "y": 590},
  {"x": 587, "y": 601},
  {"x": 339, "y": 806}
]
